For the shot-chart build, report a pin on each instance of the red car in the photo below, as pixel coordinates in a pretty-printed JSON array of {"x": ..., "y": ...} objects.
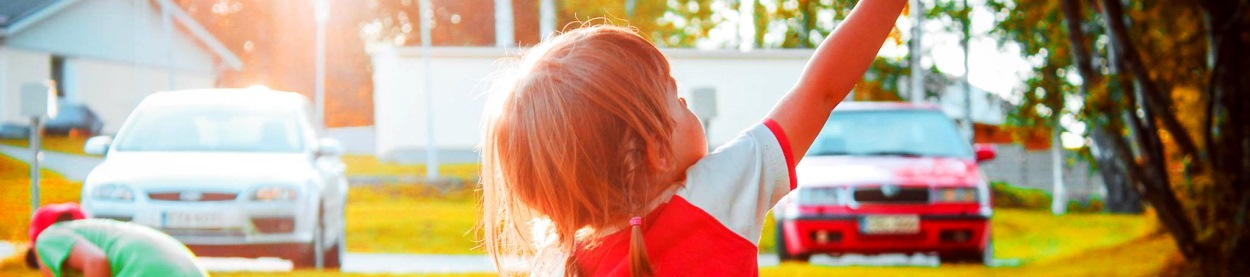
[{"x": 888, "y": 178}]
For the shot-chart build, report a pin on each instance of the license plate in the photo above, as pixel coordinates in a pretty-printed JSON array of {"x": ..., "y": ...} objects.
[
  {"x": 192, "y": 220},
  {"x": 890, "y": 224}
]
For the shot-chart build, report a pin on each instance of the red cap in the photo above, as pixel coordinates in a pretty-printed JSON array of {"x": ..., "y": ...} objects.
[{"x": 51, "y": 214}]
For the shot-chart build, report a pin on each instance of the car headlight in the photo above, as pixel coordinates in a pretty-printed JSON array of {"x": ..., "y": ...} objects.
[
  {"x": 274, "y": 193},
  {"x": 113, "y": 192},
  {"x": 955, "y": 195},
  {"x": 821, "y": 196}
]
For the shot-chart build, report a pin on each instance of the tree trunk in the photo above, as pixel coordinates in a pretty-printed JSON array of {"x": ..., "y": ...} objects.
[
  {"x": 1227, "y": 130},
  {"x": 1156, "y": 185},
  {"x": 1121, "y": 198}
]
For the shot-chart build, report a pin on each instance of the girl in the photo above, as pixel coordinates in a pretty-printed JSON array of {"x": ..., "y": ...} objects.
[{"x": 592, "y": 165}]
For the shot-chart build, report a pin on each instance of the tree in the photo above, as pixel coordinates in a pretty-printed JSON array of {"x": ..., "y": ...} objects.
[
  {"x": 677, "y": 23},
  {"x": 274, "y": 39},
  {"x": 1164, "y": 102}
]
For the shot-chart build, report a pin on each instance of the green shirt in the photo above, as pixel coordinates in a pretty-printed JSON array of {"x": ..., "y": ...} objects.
[{"x": 132, "y": 250}]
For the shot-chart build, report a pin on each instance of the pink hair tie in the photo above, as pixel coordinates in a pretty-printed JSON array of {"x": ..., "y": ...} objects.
[{"x": 636, "y": 221}]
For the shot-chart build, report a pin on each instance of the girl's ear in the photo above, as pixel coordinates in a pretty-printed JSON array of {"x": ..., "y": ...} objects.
[{"x": 656, "y": 158}]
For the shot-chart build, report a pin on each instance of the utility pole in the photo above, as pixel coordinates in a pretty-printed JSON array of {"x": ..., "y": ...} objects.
[
  {"x": 168, "y": 20},
  {"x": 431, "y": 150},
  {"x": 321, "y": 8},
  {"x": 547, "y": 18},
  {"x": 503, "y": 24},
  {"x": 916, "y": 10},
  {"x": 1059, "y": 203},
  {"x": 969, "y": 125},
  {"x": 321, "y": 13}
]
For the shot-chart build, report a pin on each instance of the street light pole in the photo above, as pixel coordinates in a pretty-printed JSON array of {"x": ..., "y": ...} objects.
[{"x": 322, "y": 11}]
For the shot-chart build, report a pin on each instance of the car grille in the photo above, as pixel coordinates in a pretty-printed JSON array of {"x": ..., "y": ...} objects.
[
  {"x": 204, "y": 196},
  {"x": 898, "y": 195}
]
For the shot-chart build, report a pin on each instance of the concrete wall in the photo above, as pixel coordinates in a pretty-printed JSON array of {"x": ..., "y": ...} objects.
[
  {"x": 1033, "y": 169},
  {"x": 747, "y": 86}
]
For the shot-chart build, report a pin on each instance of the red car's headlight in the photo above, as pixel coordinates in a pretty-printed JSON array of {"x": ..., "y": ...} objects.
[
  {"x": 821, "y": 196},
  {"x": 955, "y": 195}
]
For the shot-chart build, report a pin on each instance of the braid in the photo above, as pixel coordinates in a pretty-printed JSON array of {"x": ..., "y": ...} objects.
[{"x": 637, "y": 188}]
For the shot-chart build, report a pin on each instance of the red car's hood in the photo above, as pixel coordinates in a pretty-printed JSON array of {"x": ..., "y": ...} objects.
[{"x": 873, "y": 170}]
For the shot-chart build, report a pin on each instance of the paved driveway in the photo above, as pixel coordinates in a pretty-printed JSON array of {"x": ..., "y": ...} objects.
[{"x": 71, "y": 166}]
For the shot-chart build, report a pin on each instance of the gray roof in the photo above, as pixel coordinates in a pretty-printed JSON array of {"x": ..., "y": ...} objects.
[{"x": 15, "y": 10}]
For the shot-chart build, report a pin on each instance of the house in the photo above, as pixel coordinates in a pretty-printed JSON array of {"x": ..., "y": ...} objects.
[
  {"x": 741, "y": 86},
  {"x": 103, "y": 54}
]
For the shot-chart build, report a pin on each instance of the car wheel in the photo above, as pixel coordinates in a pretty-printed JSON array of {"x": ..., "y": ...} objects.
[
  {"x": 306, "y": 256},
  {"x": 334, "y": 254},
  {"x": 783, "y": 253}
]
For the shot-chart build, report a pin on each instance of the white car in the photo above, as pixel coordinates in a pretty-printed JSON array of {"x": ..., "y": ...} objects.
[{"x": 228, "y": 172}]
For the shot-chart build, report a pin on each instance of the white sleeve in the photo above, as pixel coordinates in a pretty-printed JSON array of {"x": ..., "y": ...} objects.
[{"x": 740, "y": 181}]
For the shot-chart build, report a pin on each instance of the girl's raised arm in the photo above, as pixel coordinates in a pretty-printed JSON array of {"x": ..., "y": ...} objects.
[{"x": 837, "y": 65}]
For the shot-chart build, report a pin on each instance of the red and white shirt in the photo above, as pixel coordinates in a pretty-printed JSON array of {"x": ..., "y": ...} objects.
[{"x": 712, "y": 225}]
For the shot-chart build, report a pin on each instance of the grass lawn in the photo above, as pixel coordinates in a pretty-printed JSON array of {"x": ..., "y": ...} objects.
[
  {"x": 15, "y": 196},
  {"x": 367, "y": 165},
  {"x": 411, "y": 219},
  {"x": 419, "y": 219},
  {"x": 66, "y": 144}
]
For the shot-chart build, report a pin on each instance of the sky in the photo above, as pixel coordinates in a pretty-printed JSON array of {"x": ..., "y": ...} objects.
[{"x": 999, "y": 69}]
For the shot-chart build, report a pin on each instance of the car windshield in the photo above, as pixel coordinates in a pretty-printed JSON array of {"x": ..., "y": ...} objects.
[
  {"x": 911, "y": 133},
  {"x": 212, "y": 129}
]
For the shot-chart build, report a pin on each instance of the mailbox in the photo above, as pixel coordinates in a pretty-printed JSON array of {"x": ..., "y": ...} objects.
[
  {"x": 704, "y": 102},
  {"x": 38, "y": 100}
]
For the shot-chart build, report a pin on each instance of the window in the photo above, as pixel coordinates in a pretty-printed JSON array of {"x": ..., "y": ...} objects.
[{"x": 58, "y": 74}]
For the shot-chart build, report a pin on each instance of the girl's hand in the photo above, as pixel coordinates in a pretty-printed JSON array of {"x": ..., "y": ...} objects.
[{"x": 837, "y": 65}]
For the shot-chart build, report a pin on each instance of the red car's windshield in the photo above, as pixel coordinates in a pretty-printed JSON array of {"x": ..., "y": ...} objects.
[{"x": 890, "y": 132}]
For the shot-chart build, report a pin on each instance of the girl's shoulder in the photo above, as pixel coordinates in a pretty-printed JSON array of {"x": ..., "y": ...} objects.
[{"x": 681, "y": 240}]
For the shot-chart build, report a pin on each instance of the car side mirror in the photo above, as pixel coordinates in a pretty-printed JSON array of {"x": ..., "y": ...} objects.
[
  {"x": 329, "y": 147},
  {"x": 98, "y": 145},
  {"x": 985, "y": 152}
]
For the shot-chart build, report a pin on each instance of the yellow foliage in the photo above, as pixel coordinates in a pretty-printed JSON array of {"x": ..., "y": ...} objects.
[{"x": 15, "y": 196}]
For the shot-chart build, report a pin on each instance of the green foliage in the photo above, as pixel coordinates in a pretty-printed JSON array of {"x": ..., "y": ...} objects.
[
  {"x": 677, "y": 23},
  {"x": 1005, "y": 195}
]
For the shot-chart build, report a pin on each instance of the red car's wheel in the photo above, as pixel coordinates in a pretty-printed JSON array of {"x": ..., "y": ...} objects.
[{"x": 783, "y": 253}]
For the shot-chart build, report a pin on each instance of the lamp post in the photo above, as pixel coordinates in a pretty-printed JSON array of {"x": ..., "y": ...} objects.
[
  {"x": 321, "y": 12},
  {"x": 321, "y": 9}
]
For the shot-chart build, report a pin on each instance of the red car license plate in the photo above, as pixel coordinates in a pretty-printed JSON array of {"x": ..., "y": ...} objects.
[{"x": 890, "y": 224}]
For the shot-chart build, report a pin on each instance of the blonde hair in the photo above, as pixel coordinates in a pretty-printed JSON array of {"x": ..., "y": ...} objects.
[{"x": 570, "y": 141}]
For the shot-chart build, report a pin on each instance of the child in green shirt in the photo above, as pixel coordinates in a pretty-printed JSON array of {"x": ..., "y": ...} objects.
[{"x": 66, "y": 244}]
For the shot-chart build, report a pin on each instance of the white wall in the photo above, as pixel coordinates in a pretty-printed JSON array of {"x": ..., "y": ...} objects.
[
  {"x": 19, "y": 67},
  {"x": 113, "y": 30},
  {"x": 113, "y": 89},
  {"x": 748, "y": 85},
  {"x": 110, "y": 89}
]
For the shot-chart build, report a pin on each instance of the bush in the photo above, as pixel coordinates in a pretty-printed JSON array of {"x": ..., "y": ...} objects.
[{"x": 1005, "y": 195}]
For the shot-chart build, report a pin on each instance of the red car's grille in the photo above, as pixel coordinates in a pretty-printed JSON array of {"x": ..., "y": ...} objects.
[
  {"x": 892, "y": 195},
  {"x": 192, "y": 197}
]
